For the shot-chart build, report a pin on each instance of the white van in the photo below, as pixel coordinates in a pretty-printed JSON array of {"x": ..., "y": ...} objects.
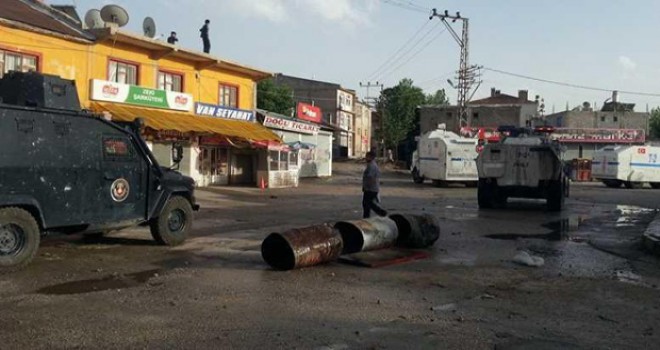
[
  {"x": 630, "y": 166},
  {"x": 443, "y": 157}
]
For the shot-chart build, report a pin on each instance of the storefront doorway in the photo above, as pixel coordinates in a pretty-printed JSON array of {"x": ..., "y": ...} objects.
[{"x": 214, "y": 165}]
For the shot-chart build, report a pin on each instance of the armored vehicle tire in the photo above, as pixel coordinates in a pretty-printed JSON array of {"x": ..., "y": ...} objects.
[
  {"x": 19, "y": 238},
  {"x": 174, "y": 223},
  {"x": 613, "y": 183},
  {"x": 489, "y": 195},
  {"x": 556, "y": 196},
  {"x": 633, "y": 185},
  {"x": 416, "y": 177},
  {"x": 655, "y": 185}
]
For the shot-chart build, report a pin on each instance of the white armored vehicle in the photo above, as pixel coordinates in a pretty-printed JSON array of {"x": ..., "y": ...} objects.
[
  {"x": 526, "y": 164},
  {"x": 630, "y": 166},
  {"x": 444, "y": 157}
]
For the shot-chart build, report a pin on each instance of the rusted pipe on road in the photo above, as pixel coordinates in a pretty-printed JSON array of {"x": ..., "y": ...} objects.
[
  {"x": 367, "y": 234},
  {"x": 301, "y": 247},
  {"x": 416, "y": 231}
]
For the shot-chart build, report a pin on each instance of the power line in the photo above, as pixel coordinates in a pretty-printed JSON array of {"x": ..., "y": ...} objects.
[
  {"x": 397, "y": 52},
  {"x": 576, "y": 86},
  {"x": 406, "y": 5},
  {"x": 426, "y": 45}
]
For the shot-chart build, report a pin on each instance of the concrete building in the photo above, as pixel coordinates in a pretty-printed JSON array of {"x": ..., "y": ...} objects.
[
  {"x": 336, "y": 103},
  {"x": 198, "y": 100},
  {"x": 493, "y": 111},
  {"x": 582, "y": 131},
  {"x": 362, "y": 128}
]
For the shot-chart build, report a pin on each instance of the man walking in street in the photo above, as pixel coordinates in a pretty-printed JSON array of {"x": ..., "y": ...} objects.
[
  {"x": 371, "y": 187},
  {"x": 204, "y": 34}
]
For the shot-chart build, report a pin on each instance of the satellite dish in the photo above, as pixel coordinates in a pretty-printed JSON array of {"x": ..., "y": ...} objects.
[
  {"x": 114, "y": 14},
  {"x": 93, "y": 19},
  {"x": 149, "y": 27}
]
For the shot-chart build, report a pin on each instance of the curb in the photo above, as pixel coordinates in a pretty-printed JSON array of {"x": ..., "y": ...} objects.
[{"x": 651, "y": 237}]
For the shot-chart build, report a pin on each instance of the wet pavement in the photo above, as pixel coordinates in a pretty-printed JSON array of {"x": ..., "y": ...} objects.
[{"x": 597, "y": 288}]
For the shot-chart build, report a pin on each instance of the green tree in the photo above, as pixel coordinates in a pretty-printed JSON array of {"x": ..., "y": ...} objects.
[
  {"x": 438, "y": 98},
  {"x": 654, "y": 123},
  {"x": 397, "y": 106},
  {"x": 274, "y": 98}
]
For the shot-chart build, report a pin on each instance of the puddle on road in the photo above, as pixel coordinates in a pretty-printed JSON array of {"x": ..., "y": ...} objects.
[
  {"x": 100, "y": 284},
  {"x": 560, "y": 230}
]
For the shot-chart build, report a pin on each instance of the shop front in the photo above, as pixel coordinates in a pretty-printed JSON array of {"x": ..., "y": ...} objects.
[
  {"x": 309, "y": 144},
  {"x": 222, "y": 149}
]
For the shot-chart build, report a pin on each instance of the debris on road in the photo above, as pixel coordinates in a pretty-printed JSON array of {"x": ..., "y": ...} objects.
[
  {"x": 302, "y": 247},
  {"x": 367, "y": 234},
  {"x": 416, "y": 231},
  {"x": 525, "y": 259}
]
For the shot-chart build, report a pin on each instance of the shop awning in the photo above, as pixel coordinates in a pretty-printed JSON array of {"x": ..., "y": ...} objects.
[{"x": 164, "y": 120}]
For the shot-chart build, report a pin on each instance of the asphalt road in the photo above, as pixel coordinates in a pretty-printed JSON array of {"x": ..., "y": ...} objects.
[{"x": 597, "y": 288}]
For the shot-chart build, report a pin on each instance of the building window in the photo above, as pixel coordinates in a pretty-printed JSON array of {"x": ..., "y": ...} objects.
[
  {"x": 616, "y": 119},
  {"x": 17, "y": 62},
  {"x": 170, "y": 81},
  {"x": 228, "y": 96},
  {"x": 122, "y": 72},
  {"x": 602, "y": 118},
  {"x": 475, "y": 116}
]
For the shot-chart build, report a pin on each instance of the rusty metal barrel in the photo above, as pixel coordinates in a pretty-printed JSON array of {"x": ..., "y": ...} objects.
[
  {"x": 367, "y": 234},
  {"x": 302, "y": 247},
  {"x": 416, "y": 231}
]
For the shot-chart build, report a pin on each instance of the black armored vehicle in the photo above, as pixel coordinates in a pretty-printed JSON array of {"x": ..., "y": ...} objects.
[{"x": 66, "y": 170}]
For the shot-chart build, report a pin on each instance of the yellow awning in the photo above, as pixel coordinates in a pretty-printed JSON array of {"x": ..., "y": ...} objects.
[{"x": 165, "y": 120}]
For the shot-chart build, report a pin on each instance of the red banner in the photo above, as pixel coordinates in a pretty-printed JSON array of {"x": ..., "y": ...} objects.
[
  {"x": 568, "y": 135},
  {"x": 309, "y": 112}
]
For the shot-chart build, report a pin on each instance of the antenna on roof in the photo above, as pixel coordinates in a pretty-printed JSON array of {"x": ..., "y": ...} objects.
[
  {"x": 149, "y": 27},
  {"x": 93, "y": 19},
  {"x": 114, "y": 14}
]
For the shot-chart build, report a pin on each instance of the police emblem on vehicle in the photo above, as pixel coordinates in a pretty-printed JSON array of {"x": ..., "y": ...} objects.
[{"x": 119, "y": 190}]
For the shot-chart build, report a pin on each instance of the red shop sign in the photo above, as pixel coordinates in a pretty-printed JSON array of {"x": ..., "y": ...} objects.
[{"x": 308, "y": 112}]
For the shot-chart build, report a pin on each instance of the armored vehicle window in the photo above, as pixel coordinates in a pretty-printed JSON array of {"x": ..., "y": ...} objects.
[{"x": 117, "y": 148}]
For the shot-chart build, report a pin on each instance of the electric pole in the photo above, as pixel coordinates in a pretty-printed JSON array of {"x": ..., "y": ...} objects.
[
  {"x": 370, "y": 99},
  {"x": 467, "y": 75}
]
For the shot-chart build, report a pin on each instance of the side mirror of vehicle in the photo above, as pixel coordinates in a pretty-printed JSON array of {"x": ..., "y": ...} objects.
[{"x": 177, "y": 153}]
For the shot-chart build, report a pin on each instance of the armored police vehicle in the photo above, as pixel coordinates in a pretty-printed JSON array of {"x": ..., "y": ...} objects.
[
  {"x": 526, "y": 164},
  {"x": 631, "y": 166},
  {"x": 445, "y": 157},
  {"x": 69, "y": 171}
]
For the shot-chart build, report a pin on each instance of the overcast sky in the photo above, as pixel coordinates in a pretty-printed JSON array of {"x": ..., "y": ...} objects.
[{"x": 604, "y": 44}]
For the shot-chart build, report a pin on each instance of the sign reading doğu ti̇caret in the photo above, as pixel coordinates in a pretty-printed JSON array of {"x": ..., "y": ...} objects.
[
  {"x": 210, "y": 110},
  {"x": 136, "y": 95},
  {"x": 308, "y": 112},
  {"x": 285, "y": 124}
]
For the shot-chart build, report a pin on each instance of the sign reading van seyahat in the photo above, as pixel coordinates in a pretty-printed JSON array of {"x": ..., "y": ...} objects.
[
  {"x": 136, "y": 95},
  {"x": 216, "y": 111}
]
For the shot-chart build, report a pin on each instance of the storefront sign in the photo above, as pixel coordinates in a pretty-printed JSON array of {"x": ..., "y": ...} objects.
[
  {"x": 122, "y": 93},
  {"x": 599, "y": 135},
  {"x": 210, "y": 110},
  {"x": 309, "y": 112},
  {"x": 285, "y": 124}
]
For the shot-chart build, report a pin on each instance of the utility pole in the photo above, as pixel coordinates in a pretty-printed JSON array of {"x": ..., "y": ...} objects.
[
  {"x": 467, "y": 75},
  {"x": 370, "y": 99}
]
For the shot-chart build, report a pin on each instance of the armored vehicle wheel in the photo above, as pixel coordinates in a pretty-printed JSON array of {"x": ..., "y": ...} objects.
[
  {"x": 633, "y": 185},
  {"x": 174, "y": 223},
  {"x": 416, "y": 177},
  {"x": 19, "y": 237},
  {"x": 489, "y": 196},
  {"x": 613, "y": 183},
  {"x": 655, "y": 185},
  {"x": 556, "y": 196}
]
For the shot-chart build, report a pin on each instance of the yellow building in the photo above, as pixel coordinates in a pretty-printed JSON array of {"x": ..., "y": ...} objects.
[{"x": 205, "y": 103}]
